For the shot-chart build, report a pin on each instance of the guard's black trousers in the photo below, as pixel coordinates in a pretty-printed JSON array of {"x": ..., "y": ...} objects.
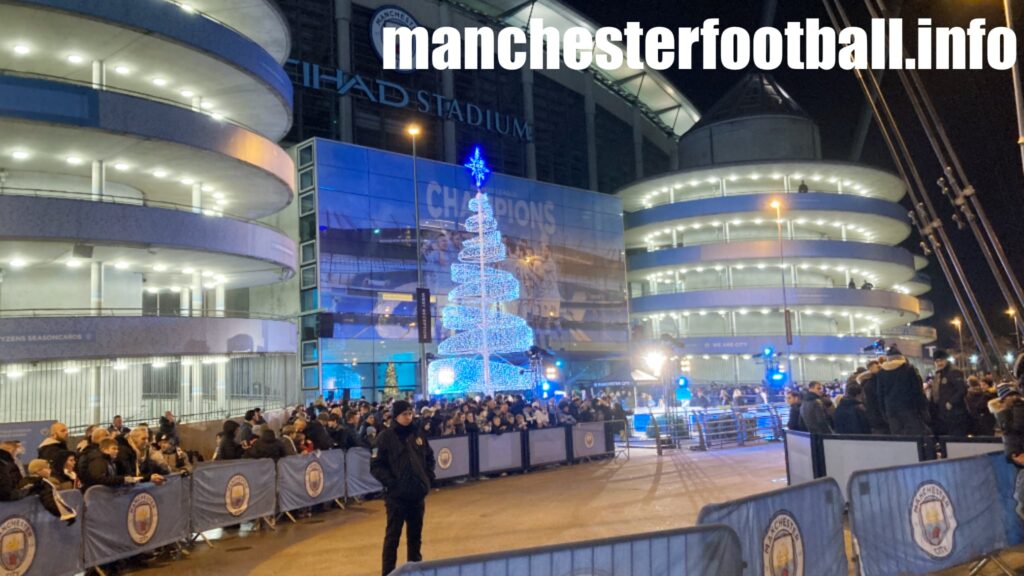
[{"x": 408, "y": 514}]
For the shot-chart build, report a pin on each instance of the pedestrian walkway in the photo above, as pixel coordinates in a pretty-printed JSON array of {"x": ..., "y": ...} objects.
[{"x": 595, "y": 500}]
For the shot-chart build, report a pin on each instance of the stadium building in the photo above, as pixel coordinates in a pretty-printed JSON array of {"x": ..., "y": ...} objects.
[{"x": 138, "y": 149}]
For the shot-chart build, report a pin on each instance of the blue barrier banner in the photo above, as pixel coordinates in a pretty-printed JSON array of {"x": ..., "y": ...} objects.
[
  {"x": 589, "y": 439},
  {"x": 230, "y": 492},
  {"x": 701, "y": 550},
  {"x": 845, "y": 455},
  {"x": 358, "y": 477},
  {"x": 547, "y": 446},
  {"x": 500, "y": 452},
  {"x": 31, "y": 435},
  {"x": 926, "y": 517},
  {"x": 451, "y": 457},
  {"x": 796, "y": 530},
  {"x": 308, "y": 479},
  {"x": 34, "y": 542},
  {"x": 122, "y": 522},
  {"x": 1009, "y": 483}
]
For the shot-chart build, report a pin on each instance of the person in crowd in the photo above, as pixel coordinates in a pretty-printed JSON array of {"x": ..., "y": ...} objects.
[
  {"x": 54, "y": 444},
  {"x": 229, "y": 448},
  {"x": 340, "y": 437},
  {"x": 1008, "y": 408},
  {"x": 10, "y": 470},
  {"x": 65, "y": 472},
  {"x": 948, "y": 398},
  {"x": 983, "y": 422},
  {"x": 851, "y": 416},
  {"x": 117, "y": 427},
  {"x": 100, "y": 469},
  {"x": 404, "y": 465},
  {"x": 246, "y": 434},
  {"x": 169, "y": 427},
  {"x": 902, "y": 395},
  {"x": 795, "y": 400},
  {"x": 812, "y": 410},
  {"x": 86, "y": 439},
  {"x": 288, "y": 440},
  {"x": 91, "y": 449},
  {"x": 134, "y": 458},
  {"x": 699, "y": 400},
  {"x": 266, "y": 446},
  {"x": 172, "y": 457},
  {"x": 302, "y": 444},
  {"x": 316, "y": 432},
  {"x": 873, "y": 406},
  {"x": 39, "y": 482}
]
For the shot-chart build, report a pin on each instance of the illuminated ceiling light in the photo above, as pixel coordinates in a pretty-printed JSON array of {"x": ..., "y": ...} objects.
[
  {"x": 188, "y": 93},
  {"x": 217, "y": 116},
  {"x": 18, "y": 263},
  {"x": 75, "y": 58},
  {"x": 160, "y": 173},
  {"x": 188, "y": 181},
  {"x": 14, "y": 373},
  {"x": 152, "y": 290},
  {"x": 187, "y": 7},
  {"x": 176, "y": 289},
  {"x": 221, "y": 202},
  {"x": 765, "y": 311},
  {"x": 158, "y": 81},
  {"x": 207, "y": 274},
  {"x": 188, "y": 270},
  {"x": 208, "y": 188},
  {"x": 74, "y": 160},
  {"x": 159, "y": 364},
  {"x": 120, "y": 366},
  {"x": 73, "y": 263},
  {"x": 122, "y": 70},
  {"x": 207, "y": 104},
  {"x": 20, "y": 155},
  {"x": 121, "y": 265},
  {"x": 71, "y": 370},
  {"x": 159, "y": 267},
  {"x": 816, "y": 178},
  {"x": 21, "y": 49},
  {"x": 122, "y": 166}
]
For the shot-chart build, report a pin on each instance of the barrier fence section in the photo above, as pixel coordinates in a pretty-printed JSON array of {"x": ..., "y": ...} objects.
[
  {"x": 452, "y": 457},
  {"x": 308, "y": 479},
  {"x": 926, "y": 517},
  {"x": 590, "y": 439},
  {"x": 122, "y": 522},
  {"x": 800, "y": 457},
  {"x": 547, "y": 446},
  {"x": 227, "y": 493},
  {"x": 967, "y": 447},
  {"x": 29, "y": 536},
  {"x": 699, "y": 550},
  {"x": 796, "y": 530},
  {"x": 1008, "y": 477},
  {"x": 500, "y": 452},
  {"x": 358, "y": 480}
]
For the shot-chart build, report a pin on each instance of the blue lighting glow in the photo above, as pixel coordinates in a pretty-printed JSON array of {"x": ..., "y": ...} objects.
[
  {"x": 559, "y": 363},
  {"x": 545, "y": 386},
  {"x": 768, "y": 352},
  {"x": 477, "y": 168}
]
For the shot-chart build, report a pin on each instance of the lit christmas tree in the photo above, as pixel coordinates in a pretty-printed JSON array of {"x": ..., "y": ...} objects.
[
  {"x": 391, "y": 381},
  {"x": 474, "y": 310}
]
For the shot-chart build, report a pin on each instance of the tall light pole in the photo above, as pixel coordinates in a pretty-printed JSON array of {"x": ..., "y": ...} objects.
[
  {"x": 1012, "y": 313},
  {"x": 777, "y": 205},
  {"x": 413, "y": 130},
  {"x": 962, "y": 361}
]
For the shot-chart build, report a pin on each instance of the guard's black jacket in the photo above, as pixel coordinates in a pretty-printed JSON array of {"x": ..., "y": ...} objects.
[{"x": 404, "y": 463}]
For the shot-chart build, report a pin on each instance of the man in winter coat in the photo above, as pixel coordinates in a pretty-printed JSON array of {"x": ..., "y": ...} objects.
[
  {"x": 404, "y": 464},
  {"x": 54, "y": 444},
  {"x": 873, "y": 406},
  {"x": 983, "y": 422},
  {"x": 795, "y": 401},
  {"x": 851, "y": 416},
  {"x": 266, "y": 446},
  {"x": 948, "y": 395},
  {"x": 101, "y": 471},
  {"x": 902, "y": 396},
  {"x": 316, "y": 431},
  {"x": 812, "y": 410},
  {"x": 10, "y": 471},
  {"x": 1008, "y": 408},
  {"x": 229, "y": 448}
]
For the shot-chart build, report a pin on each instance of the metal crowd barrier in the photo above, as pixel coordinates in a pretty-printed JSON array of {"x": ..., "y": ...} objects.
[{"x": 736, "y": 425}]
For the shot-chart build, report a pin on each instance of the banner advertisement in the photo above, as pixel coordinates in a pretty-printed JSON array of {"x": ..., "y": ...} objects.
[
  {"x": 589, "y": 439},
  {"x": 122, "y": 522},
  {"x": 547, "y": 446},
  {"x": 500, "y": 452},
  {"x": 700, "y": 550},
  {"x": 227, "y": 493},
  {"x": 926, "y": 517},
  {"x": 1010, "y": 485},
  {"x": 29, "y": 535},
  {"x": 360, "y": 481},
  {"x": 796, "y": 530},
  {"x": 451, "y": 457},
  {"x": 308, "y": 479}
]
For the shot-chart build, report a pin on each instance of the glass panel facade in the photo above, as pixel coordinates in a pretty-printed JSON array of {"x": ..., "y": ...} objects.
[
  {"x": 615, "y": 164},
  {"x": 560, "y": 128}
]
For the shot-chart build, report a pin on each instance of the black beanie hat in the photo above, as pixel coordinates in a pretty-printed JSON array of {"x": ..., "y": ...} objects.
[{"x": 399, "y": 406}]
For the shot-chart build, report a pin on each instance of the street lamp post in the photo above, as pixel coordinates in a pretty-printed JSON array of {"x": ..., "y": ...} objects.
[
  {"x": 787, "y": 327},
  {"x": 414, "y": 130},
  {"x": 962, "y": 361},
  {"x": 1012, "y": 313}
]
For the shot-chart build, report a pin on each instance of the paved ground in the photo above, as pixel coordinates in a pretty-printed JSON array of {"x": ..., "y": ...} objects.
[{"x": 595, "y": 500}]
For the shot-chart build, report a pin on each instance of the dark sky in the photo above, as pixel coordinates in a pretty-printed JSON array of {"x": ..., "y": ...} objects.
[{"x": 977, "y": 107}]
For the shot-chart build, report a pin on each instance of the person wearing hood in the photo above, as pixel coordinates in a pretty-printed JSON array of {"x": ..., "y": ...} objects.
[
  {"x": 404, "y": 463},
  {"x": 851, "y": 416},
  {"x": 873, "y": 407},
  {"x": 812, "y": 410},
  {"x": 229, "y": 448},
  {"x": 266, "y": 446},
  {"x": 54, "y": 444},
  {"x": 903, "y": 396},
  {"x": 10, "y": 470},
  {"x": 983, "y": 422}
]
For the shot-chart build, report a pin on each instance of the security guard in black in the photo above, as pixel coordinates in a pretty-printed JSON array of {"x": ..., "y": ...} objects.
[{"x": 404, "y": 464}]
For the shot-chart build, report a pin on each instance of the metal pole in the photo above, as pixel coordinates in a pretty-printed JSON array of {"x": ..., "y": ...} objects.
[
  {"x": 960, "y": 333},
  {"x": 419, "y": 266},
  {"x": 782, "y": 271},
  {"x": 1018, "y": 96}
]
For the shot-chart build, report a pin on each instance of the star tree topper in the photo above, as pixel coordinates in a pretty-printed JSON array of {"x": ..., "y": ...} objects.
[{"x": 477, "y": 167}]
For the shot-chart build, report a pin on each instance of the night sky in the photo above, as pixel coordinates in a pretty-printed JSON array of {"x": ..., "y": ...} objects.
[{"x": 977, "y": 107}]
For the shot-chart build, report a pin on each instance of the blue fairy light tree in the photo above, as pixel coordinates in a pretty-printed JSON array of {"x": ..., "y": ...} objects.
[{"x": 483, "y": 329}]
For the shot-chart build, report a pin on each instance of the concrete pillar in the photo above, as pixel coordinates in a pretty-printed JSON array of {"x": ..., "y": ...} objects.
[
  {"x": 99, "y": 179},
  {"x": 96, "y": 288},
  {"x": 185, "y": 303},
  {"x": 95, "y": 394},
  {"x": 342, "y": 29},
  {"x": 99, "y": 75},
  {"x": 638, "y": 142},
  {"x": 531, "y": 148},
  {"x": 197, "y": 294},
  {"x": 197, "y": 198},
  {"x": 590, "y": 110},
  {"x": 218, "y": 300}
]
